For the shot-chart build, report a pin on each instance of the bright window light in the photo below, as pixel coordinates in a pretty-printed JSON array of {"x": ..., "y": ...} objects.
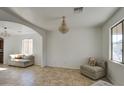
[
  {"x": 116, "y": 47},
  {"x": 27, "y": 46}
]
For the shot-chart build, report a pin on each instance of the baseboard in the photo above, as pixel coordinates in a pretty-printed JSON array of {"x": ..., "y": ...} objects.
[{"x": 62, "y": 67}]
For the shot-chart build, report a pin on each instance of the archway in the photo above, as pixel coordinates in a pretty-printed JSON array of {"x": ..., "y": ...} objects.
[{"x": 18, "y": 32}]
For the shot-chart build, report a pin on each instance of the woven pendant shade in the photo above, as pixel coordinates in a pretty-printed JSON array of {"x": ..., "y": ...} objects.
[{"x": 63, "y": 27}]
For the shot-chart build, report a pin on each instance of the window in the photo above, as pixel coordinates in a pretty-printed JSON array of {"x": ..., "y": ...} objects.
[
  {"x": 27, "y": 46},
  {"x": 116, "y": 42}
]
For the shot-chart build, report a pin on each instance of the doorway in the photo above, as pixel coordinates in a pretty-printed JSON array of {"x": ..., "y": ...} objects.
[{"x": 1, "y": 50}]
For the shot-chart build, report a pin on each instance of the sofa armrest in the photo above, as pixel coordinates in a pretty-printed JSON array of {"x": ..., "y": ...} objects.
[
  {"x": 102, "y": 63},
  {"x": 30, "y": 57}
]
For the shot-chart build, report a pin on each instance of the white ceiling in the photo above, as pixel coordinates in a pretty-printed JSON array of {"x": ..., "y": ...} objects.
[
  {"x": 15, "y": 28},
  {"x": 49, "y": 18}
]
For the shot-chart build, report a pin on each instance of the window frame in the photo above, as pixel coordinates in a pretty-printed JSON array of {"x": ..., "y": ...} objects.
[
  {"x": 23, "y": 45},
  {"x": 122, "y": 21}
]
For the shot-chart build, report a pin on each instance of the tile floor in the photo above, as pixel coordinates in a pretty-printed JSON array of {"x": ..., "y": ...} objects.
[{"x": 37, "y": 76}]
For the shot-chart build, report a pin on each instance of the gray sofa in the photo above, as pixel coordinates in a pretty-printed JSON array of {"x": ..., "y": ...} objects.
[
  {"x": 22, "y": 62},
  {"x": 94, "y": 72}
]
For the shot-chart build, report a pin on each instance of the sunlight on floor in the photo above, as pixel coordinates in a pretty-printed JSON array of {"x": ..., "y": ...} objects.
[{"x": 1, "y": 69}]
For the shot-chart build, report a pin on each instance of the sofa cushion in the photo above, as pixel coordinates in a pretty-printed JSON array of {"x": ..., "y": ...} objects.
[
  {"x": 16, "y": 56},
  {"x": 28, "y": 57},
  {"x": 94, "y": 72},
  {"x": 20, "y": 60},
  {"x": 93, "y": 69}
]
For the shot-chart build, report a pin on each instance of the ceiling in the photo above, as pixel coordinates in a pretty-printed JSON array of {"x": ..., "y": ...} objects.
[
  {"x": 15, "y": 28},
  {"x": 49, "y": 18}
]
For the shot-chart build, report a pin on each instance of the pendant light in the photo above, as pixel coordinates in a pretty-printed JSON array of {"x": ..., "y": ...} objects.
[
  {"x": 63, "y": 27},
  {"x": 4, "y": 33}
]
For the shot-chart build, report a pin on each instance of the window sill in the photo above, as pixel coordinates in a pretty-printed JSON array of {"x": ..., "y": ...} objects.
[{"x": 120, "y": 63}]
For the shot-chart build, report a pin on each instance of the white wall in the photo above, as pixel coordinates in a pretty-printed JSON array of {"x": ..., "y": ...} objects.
[
  {"x": 9, "y": 48},
  {"x": 72, "y": 49},
  {"x": 13, "y": 45},
  {"x": 115, "y": 71}
]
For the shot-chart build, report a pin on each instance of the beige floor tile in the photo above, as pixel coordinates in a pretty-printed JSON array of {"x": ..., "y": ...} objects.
[{"x": 37, "y": 76}]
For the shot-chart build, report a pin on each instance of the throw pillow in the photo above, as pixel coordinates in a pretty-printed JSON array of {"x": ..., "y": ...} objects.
[
  {"x": 19, "y": 56},
  {"x": 92, "y": 61}
]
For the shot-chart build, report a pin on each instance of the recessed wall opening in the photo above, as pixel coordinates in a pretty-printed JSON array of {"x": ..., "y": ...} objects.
[{"x": 14, "y": 44}]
